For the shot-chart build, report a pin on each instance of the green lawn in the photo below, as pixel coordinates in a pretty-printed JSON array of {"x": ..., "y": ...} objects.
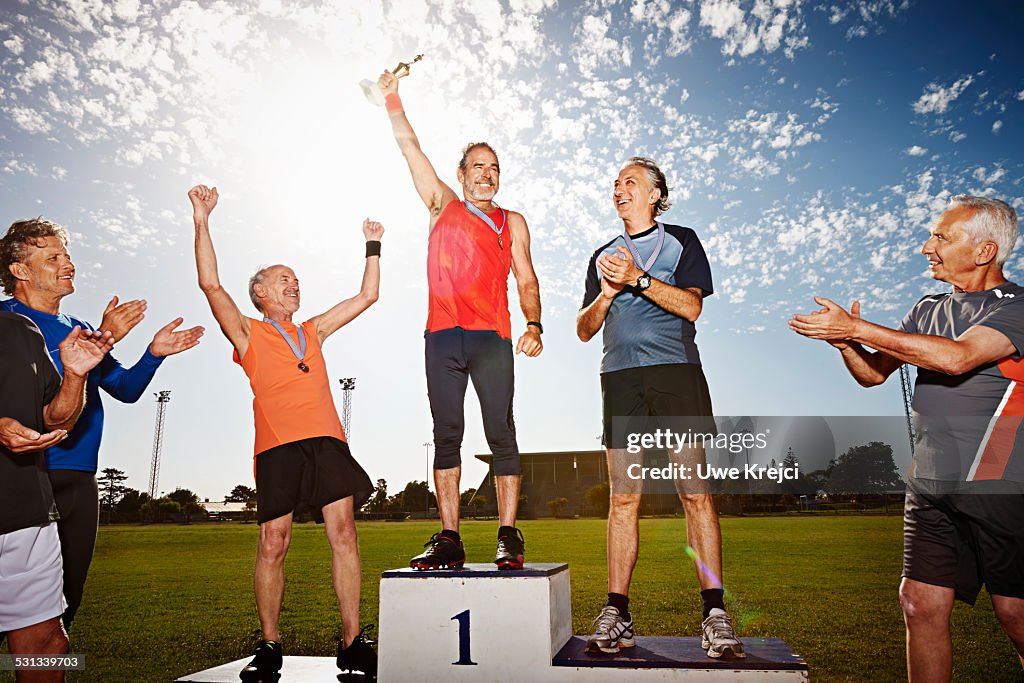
[{"x": 164, "y": 600}]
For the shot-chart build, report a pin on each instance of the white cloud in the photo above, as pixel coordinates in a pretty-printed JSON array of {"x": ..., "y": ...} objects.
[
  {"x": 916, "y": 151},
  {"x": 1020, "y": 96},
  {"x": 986, "y": 177},
  {"x": 15, "y": 44},
  {"x": 997, "y": 126},
  {"x": 768, "y": 26},
  {"x": 957, "y": 136},
  {"x": 593, "y": 48},
  {"x": 936, "y": 98},
  {"x": 28, "y": 120}
]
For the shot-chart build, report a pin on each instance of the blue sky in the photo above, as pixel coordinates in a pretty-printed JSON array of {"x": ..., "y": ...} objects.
[{"x": 809, "y": 144}]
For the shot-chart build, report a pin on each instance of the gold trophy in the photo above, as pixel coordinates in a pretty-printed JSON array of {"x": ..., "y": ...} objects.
[{"x": 371, "y": 90}]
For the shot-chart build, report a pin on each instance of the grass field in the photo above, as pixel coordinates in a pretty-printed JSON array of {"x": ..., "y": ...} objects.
[{"x": 164, "y": 600}]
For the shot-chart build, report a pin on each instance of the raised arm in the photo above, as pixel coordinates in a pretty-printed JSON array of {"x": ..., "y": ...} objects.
[
  {"x": 233, "y": 324},
  {"x": 434, "y": 193},
  {"x": 527, "y": 285},
  {"x": 344, "y": 312}
]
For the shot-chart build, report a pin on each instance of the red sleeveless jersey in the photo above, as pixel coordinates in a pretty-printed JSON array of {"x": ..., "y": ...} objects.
[{"x": 467, "y": 272}]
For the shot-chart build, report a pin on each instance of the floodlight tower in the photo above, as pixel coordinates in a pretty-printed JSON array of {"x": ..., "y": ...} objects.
[
  {"x": 348, "y": 385},
  {"x": 162, "y": 399},
  {"x": 908, "y": 397}
]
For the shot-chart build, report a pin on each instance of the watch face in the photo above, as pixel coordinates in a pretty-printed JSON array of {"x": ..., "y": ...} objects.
[{"x": 643, "y": 282}]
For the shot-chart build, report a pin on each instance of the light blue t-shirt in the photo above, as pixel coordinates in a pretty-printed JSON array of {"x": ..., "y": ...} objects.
[{"x": 638, "y": 332}]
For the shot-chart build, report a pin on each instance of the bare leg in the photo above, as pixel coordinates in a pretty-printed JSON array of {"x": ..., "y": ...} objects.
[
  {"x": 45, "y": 638},
  {"x": 704, "y": 535},
  {"x": 508, "y": 498},
  {"x": 623, "y": 540},
  {"x": 340, "y": 524},
  {"x": 623, "y": 520},
  {"x": 926, "y": 611},
  {"x": 1010, "y": 612},
  {"x": 268, "y": 577},
  {"x": 446, "y": 482}
]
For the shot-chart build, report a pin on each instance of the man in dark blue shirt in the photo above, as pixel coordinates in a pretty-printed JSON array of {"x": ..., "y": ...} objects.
[
  {"x": 36, "y": 268},
  {"x": 646, "y": 288}
]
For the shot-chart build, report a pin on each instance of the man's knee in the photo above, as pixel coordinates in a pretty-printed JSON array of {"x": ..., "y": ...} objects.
[
  {"x": 695, "y": 503},
  {"x": 924, "y": 604},
  {"x": 625, "y": 503},
  {"x": 342, "y": 536},
  {"x": 274, "y": 540},
  {"x": 1010, "y": 612},
  {"x": 507, "y": 464}
]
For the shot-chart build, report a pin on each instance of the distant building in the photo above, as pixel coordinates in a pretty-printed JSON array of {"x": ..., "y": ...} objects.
[
  {"x": 224, "y": 510},
  {"x": 567, "y": 474}
]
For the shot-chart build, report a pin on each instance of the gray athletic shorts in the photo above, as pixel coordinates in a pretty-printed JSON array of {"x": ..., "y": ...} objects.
[{"x": 31, "y": 587}]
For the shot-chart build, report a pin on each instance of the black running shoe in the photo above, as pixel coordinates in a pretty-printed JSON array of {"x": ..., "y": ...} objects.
[
  {"x": 510, "y": 551},
  {"x": 265, "y": 666},
  {"x": 441, "y": 552},
  {"x": 358, "y": 661}
]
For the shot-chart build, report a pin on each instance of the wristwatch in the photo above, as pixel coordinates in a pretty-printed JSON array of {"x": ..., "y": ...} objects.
[
  {"x": 643, "y": 282},
  {"x": 540, "y": 328}
]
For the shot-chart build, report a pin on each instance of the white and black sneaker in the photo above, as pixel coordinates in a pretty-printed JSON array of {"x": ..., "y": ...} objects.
[
  {"x": 611, "y": 632},
  {"x": 717, "y": 637}
]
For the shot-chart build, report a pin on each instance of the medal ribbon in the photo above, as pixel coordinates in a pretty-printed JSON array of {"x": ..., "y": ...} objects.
[
  {"x": 636, "y": 252},
  {"x": 300, "y": 350},
  {"x": 487, "y": 219}
]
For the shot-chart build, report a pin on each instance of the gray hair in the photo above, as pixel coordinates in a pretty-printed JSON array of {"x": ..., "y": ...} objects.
[
  {"x": 257, "y": 279},
  {"x": 656, "y": 178},
  {"x": 991, "y": 219}
]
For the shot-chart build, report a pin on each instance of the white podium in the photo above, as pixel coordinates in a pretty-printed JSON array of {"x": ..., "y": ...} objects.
[
  {"x": 481, "y": 625},
  {"x": 474, "y": 624}
]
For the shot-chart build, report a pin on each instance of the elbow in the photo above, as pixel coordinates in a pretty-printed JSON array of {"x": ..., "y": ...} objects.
[
  {"x": 957, "y": 365},
  {"x": 209, "y": 286},
  {"x": 369, "y": 298},
  {"x": 582, "y": 332},
  {"x": 868, "y": 382}
]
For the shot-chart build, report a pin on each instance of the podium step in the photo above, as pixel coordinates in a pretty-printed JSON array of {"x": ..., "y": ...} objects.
[
  {"x": 294, "y": 670},
  {"x": 764, "y": 656}
]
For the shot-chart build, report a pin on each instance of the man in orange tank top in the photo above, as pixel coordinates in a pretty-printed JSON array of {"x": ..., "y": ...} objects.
[
  {"x": 302, "y": 460},
  {"x": 473, "y": 245}
]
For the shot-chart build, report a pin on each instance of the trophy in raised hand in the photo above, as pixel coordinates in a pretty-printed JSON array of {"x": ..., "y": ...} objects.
[{"x": 371, "y": 90}]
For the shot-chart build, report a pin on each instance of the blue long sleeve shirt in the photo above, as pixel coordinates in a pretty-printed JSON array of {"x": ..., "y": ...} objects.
[{"x": 80, "y": 451}]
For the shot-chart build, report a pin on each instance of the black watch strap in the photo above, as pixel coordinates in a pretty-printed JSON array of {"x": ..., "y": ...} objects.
[{"x": 540, "y": 328}]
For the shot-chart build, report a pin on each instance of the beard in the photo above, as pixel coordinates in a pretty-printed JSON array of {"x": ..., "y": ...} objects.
[{"x": 480, "y": 194}]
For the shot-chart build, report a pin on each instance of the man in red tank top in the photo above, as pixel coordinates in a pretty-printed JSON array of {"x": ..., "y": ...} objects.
[
  {"x": 301, "y": 460},
  {"x": 473, "y": 245}
]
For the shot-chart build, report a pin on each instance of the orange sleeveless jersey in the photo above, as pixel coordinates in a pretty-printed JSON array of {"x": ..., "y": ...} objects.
[
  {"x": 467, "y": 272},
  {"x": 288, "y": 404}
]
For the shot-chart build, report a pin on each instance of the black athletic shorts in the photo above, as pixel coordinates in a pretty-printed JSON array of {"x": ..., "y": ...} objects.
[
  {"x": 307, "y": 475},
  {"x": 965, "y": 540},
  {"x": 645, "y": 394}
]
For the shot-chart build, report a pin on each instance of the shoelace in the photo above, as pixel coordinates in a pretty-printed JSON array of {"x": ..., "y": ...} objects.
[
  {"x": 365, "y": 629},
  {"x": 607, "y": 619},
  {"x": 721, "y": 625},
  {"x": 433, "y": 540}
]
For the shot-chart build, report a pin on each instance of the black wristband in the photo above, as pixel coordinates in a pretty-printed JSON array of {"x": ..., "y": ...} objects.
[
  {"x": 540, "y": 328},
  {"x": 372, "y": 248}
]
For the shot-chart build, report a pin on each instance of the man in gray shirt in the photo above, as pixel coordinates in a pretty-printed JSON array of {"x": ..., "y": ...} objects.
[
  {"x": 964, "y": 512},
  {"x": 646, "y": 289}
]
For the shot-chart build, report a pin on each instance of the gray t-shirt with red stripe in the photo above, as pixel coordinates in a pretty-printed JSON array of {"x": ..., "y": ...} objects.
[{"x": 968, "y": 426}]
